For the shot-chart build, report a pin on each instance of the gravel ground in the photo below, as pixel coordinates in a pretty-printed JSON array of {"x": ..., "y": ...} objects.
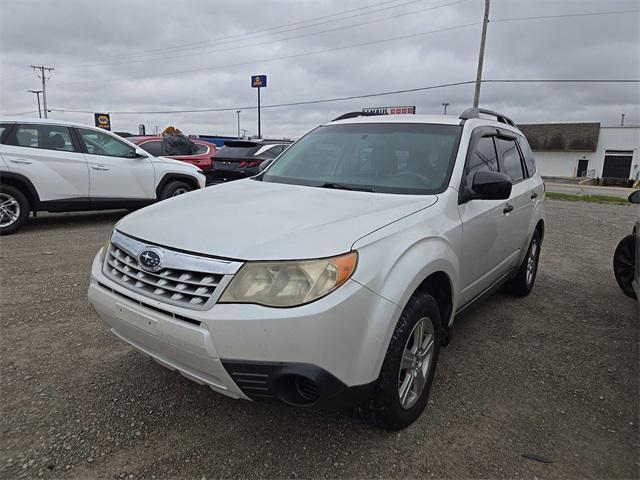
[{"x": 555, "y": 374}]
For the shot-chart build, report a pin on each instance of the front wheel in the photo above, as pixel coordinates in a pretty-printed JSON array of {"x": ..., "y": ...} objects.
[
  {"x": 14, "y": 209},
  {"x": 174, "y": 188},
  {"x": 624, "y": 264},
  {"x": 402, "y": 389}
]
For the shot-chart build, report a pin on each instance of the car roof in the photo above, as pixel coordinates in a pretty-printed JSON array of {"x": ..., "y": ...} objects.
[
  {"x": 425, "y": 119},
  {"x": 44, "y": 121}
]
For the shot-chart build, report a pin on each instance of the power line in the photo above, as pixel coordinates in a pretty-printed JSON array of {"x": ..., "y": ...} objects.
[
  {"x": 258, "y": 44},
  {"x": 19, "y": 113},
  {"x": 354, "y": 97},
  {"x": 243, "y": 36},
  {"x": 274, "y": 59},
  {"x": 542, "y": 17}
]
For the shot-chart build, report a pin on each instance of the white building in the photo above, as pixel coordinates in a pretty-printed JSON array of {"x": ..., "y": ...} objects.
[{"x": 585, "y": 150}]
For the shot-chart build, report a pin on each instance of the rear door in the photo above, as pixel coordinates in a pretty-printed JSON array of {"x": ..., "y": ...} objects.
[
  {"x": 522, "y": 199},
  {"x": 50, "y": 158},
  {"x": 116, "y": 171}
]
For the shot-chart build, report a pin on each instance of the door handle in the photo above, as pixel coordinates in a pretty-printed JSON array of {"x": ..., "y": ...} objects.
[
  {"x": 534, "y": 195},
  {"x": 20, "y": 162},
  {"x": 99, "y": 167},
  {"x": 507, "y": 208}
]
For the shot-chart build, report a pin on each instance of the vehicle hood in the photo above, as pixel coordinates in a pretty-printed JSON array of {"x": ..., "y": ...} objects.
[
  {"x": 175, "y": 163},
  {"x": 254, "y": 220}
]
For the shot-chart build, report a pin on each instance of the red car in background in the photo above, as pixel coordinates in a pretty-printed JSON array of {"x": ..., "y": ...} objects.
[{"x": 201, "y": 159}]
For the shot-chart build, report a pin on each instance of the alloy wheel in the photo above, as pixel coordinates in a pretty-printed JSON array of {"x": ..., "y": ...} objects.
[
  {"x": 9, "y": 209},
  {"x": 532, "y": 262},
  {"x": 415, "y": 363}
]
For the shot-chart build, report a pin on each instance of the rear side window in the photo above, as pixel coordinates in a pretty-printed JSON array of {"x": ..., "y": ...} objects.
[
  {"x": 48, "y": 137},
  {"x": 528, "y": 156},
  {"x": 484, "y": 158},
  {"x": 200, "y": 149},
  {"x": 511, "y": 160},
  {"x": 154, "y": 147}
]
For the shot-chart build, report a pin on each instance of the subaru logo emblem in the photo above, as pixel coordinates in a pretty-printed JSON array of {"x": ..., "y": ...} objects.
[{"x": 150, "y": 259}]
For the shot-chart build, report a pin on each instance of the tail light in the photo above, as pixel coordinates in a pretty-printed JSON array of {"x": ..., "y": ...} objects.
[{"x": 249, "y": 164}]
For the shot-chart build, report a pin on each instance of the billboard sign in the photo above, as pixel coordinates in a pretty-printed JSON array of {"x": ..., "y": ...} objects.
[
  {"x": 102, "y": 120},
  {"x": 258, "y": 81},
  {"x": 391, "y": 110}
]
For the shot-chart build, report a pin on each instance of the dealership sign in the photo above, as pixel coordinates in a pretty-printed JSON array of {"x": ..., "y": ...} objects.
[
  {"x": 390, "y": 110},
  {"x": 102, "y": 120}
]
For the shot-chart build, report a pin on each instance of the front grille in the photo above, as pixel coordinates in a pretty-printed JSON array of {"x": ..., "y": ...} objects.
[{"x": 191, "y": 286}]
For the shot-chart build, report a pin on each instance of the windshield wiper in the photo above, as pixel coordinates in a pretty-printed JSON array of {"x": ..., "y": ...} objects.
[{"x": 339, "y": 186}]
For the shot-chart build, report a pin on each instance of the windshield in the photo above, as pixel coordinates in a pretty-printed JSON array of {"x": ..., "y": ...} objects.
[{"x": 404, "y": 158}]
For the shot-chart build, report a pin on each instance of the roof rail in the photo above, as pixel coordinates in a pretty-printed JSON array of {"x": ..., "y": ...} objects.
[
  {"x": 344, "y": 116},
  {"x": 475, "y": 113}
]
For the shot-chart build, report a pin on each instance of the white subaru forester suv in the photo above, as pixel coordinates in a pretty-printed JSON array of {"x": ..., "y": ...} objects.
[
  {"x": 332, "y": 277},
  {"x": 58, "y": 166}
]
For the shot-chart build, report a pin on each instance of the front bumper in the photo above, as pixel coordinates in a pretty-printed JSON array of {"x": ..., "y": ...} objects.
[{"x": 334, "y": 345}]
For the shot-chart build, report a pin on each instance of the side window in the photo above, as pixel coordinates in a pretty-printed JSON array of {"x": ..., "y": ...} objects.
[
  {"x": 484, "y": 158},
  {"x": 511, "y": 160},
  {"x": 528, "y": 156},
  {"x": 273, "y": 152},
  {"x": 98, "y": 143},
  {"x": 200, "y": 149},
  {"x": 48, "y": 137},
  {"x": 154, "y": 147},
  {"x": 4, "y": 127}
]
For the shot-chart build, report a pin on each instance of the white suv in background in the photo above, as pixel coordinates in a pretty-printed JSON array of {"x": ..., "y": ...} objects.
[
  {"x": 334, "y": 276},
  {"x": 56, "y": 166}
]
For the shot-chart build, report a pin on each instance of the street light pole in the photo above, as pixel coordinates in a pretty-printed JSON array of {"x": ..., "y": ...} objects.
[
  {"x": 445, "y": 105},
  {"x": 476, "y": 97},
  {"x": 37, "y": 92},
  {"x": 238, "y": 112}
]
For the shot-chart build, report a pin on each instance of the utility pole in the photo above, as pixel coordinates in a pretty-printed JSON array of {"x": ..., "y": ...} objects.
[
  {"x": 37, "y": 92},
  {"x": 445, "y": 105},
  {"x": 476, "y": 97},
  {"x": 622, "y": 115},
  {"x": 44, "y": 78},
  {"x": 238, "y": 112}
]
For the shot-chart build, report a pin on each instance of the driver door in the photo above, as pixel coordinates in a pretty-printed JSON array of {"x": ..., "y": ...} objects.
[{"x": 115, "y": 171}]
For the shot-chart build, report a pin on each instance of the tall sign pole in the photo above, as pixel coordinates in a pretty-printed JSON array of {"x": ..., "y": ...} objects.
[
  {"x": 476, "y": 97},
  {"x": 259, "y": 81}
]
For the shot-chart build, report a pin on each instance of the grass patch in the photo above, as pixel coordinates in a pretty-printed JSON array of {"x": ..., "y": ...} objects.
[{"x": 587, "y": 198}]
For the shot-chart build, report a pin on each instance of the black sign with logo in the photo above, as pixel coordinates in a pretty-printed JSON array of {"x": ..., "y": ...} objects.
[{"x": 102, "y": 120}]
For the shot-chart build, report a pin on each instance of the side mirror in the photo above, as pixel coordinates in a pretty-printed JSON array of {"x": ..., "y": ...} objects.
[
  {"x": 489, "y": 185},
  {"x": 264, "y": 164},
  {"x": 635, "y": 197},
  {"x": 140, "y": 153}
]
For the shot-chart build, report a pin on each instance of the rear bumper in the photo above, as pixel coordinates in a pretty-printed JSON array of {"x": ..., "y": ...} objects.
[{"x": 333, "y": 346}]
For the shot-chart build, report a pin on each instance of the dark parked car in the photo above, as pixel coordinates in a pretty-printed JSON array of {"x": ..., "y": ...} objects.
[
  {"x": 242, "y": 158},
  {"x": 202, "y": 158}
]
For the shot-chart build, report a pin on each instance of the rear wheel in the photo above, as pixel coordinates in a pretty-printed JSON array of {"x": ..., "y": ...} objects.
[
  {"x": 522, "y": 284},
  {"x": 14, "y": 209},
  {"x": 624, "y": 264},
  {"x": 174, "y": 188},
  {"x": 402, "y": 389}
]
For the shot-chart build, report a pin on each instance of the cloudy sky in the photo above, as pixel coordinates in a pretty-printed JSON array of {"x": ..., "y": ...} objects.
[{"x": 156, "y": 56}]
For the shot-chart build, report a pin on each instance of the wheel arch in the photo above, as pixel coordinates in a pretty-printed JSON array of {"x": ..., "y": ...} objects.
[
  {"x": 170, "y": 177},
  {"x": 24, "y": 185}
]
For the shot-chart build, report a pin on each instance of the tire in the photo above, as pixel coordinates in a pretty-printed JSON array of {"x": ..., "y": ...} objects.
[
  {"x": 624, "y": 264},
  {"x": 522, "y": 284},
  {"x": 174, "y": 188},
  {"x": 384, "y": 408},
  {"x": 14, "y": 209}
]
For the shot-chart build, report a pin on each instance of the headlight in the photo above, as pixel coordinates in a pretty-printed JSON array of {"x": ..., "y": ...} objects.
[
  {"x": 289, "y": 283},
  {"x": 105, "y": 249}
]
